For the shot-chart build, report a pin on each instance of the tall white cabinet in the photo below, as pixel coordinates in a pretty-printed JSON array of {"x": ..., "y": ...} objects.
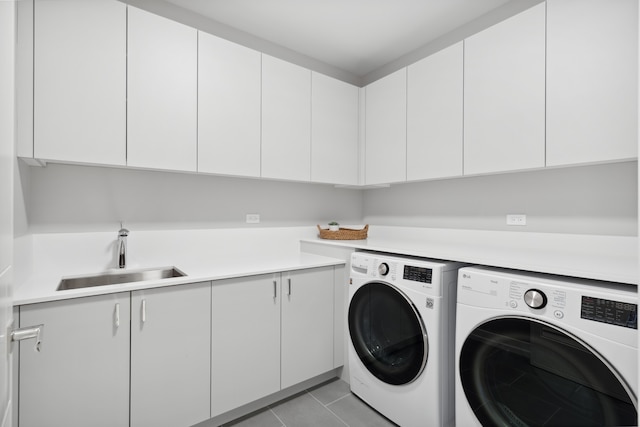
[
  {"x": 386, "y": 129},
  {"x": 79, "y": 100},
  {"x": 81, "y": 375},
  {"x": 162, "y": 84},
  {"x": 286, "y": 120},
  {"x": 504, "y": 95},
  {"x": 434, "y": 115},
  {"x": 592, "y": 81},
  {"x": 170, "y": 346},
  {"x": 229, "y": 92}
]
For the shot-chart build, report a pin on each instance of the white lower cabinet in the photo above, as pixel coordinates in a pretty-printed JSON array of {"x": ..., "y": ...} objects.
[
  {"x": 307, "y": 325},
  {"x": 269, "y": 332},
  {"x": 129, "y": 359},
  {"x": 81, "y": 375},
  {"x": 170, "y": 346},
  {"x": 245, "y": 331}
]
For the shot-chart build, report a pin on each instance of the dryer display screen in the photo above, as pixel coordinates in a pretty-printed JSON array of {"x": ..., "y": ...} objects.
[
  {"x": 417, "y": 274},
  {"x": 608, "y": 311}
]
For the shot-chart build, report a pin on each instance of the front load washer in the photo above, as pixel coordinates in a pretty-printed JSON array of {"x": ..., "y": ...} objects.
[
  {"x": 401, "y": 314},
  {"x": 534, "y": 349}
]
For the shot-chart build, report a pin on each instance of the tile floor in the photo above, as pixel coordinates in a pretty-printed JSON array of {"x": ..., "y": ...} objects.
[{"x": 329, "y": 404}]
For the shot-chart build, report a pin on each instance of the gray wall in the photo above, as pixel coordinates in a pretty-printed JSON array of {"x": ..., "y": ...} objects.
[
  {"x": 67, "y": 198},
  {"x": 597, "y": 199}
]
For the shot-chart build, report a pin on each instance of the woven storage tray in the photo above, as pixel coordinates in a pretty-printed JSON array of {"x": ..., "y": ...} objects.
[{"x": 344, "y": 233}]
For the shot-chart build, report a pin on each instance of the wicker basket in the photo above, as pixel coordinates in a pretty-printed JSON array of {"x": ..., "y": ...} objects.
[{"x": 344, "y": 233}]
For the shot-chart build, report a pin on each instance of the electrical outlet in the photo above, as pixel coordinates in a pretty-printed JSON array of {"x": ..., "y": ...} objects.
[
  {"x": 516, "y": 219},
  {"x": 253, "y": 219}
]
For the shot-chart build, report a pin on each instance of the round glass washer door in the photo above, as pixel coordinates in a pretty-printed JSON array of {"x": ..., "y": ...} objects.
[
  {"x": 387, "y": 333},
  {"x": 521, "y": 372}
]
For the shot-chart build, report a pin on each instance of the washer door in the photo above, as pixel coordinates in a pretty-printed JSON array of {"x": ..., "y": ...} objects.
[
  {"x": 387, "y": 333},
  {"x": 520, "y": 372}
]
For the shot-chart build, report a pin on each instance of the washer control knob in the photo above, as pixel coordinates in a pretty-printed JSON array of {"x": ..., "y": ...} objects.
[
  {"x": 535, "y": 298},
  {"x": 383, "y": 269}
]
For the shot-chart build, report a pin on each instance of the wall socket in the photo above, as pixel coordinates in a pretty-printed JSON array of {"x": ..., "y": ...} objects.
[
  {"x": 516, "y": 219},
  {"x": 253, "y": 219}
]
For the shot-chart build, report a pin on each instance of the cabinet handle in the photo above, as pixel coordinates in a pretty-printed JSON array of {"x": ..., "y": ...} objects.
[
  {"x": 144, "y": 310},
  {"x": 116, "y": 316},
  {"x": 289, "y": 280},
  {"x": 28, "y": 333},
  {"x": 275, "y": 289}
]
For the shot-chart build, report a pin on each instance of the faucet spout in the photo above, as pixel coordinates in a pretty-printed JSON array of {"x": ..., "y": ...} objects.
[{"x": 122, "y": 247}]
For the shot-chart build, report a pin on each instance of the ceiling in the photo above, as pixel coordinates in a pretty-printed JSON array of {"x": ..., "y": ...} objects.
[{"x": 357, "y": 36}]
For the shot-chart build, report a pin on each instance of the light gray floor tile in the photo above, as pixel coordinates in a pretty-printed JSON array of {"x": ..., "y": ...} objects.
[
  {"x": 330, "y": 391},
  {"x": 305, "y": 411},
  {"x": 356, "y": 413},
  {"x": 265, "y": 418}
]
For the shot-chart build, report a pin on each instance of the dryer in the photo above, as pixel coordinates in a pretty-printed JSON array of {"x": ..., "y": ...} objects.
[
  {"x": 534, "y": 349},
  {"x": 400, "y": 318}
]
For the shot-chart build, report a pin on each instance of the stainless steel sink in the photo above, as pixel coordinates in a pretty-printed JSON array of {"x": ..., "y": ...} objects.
[{"x": 122, "y": 276}]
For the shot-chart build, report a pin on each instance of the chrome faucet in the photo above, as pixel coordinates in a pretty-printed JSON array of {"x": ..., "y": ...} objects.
[{"x": 122, "y": 247}]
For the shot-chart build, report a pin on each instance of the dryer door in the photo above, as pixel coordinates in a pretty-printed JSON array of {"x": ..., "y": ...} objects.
[
  {"x": 387, "y": 333},
  {"x": 518, "y": 372}
]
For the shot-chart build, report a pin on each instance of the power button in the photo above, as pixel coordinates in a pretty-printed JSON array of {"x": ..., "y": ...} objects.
[
  {"x": 558, "y": 314},
  {"x": 513, "y": 304}
]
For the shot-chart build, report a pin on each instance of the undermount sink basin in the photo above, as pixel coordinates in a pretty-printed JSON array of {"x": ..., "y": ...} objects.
[{"x": 122, "y": 276}]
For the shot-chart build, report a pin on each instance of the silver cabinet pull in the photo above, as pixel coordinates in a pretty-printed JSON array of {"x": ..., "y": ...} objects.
[
  {"x": 28, "y": 333},
  {"x": 289, "y": 280},
  {"x": 275, "y": 289},
  {"x": 144, "y": 310},
  {"x": 116, "y": 316}
]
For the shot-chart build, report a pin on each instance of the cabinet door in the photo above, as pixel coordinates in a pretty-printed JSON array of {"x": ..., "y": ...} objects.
[
  {"x": 81, "y": 375},
  {"x": 80, "y": 81},
  {"x": 286, "y": 120},
  {"x": 228, "y": 107},
  {"x": 245, "y": 348},
  {"x": 386, "y": 129},
  {"x": 162, "y": 93},
  {"x": 170, "y": 348},
  {"x": 592, "y": 81},
  {"x": 504, "y": 95},
  {"x": 434, "y": 115},
  {"x": 307, "y": 324},
  {"x": 334, "y": 131}
]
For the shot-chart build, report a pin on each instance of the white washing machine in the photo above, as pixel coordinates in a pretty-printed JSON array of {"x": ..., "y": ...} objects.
[
  {"x": 533, "y": 349},
  {"x": 401, "y": 314}
]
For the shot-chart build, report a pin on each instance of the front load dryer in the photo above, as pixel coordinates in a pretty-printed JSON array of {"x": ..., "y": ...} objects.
[
  {"x": 401, "y": 314},
  {"x": 535, "y": 350}
]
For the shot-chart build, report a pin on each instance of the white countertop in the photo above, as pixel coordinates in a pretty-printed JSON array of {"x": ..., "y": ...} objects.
[
  {"x": 609, "y": 258},
  {"x": 43, "y": 260},
  {"x": 42, "y": 288}
]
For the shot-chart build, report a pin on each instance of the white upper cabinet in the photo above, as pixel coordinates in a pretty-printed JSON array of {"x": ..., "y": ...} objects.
[
  {"x": 592, "y": 81},
  {"x": 229, "y": 82},
  {"x": 162, "y": 93},
  {"x": 334, "y": 131},
  {"x": 386, "y": 129},
  {"x": 434, "y": 115},
  {"x": 80, "y": 81},
  {"x": 504, "y": 95},
  {"x": 286, "y": 120}
]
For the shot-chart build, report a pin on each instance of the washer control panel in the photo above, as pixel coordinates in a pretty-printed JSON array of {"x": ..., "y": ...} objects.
[{"x": 609, "y": 311}]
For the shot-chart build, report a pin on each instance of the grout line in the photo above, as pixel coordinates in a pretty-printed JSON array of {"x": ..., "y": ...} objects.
[
  {"x": 276, "y": 415},
  {"x": 327, "y": 408},
  {"x": 339, "y": 399}
]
